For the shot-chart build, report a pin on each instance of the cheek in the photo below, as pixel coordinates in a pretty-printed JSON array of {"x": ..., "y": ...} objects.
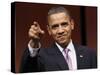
[
  {"x": 53, "y": 34},
  {"x": 68, "y": 31},
  {"x": 70, "y": 28}
]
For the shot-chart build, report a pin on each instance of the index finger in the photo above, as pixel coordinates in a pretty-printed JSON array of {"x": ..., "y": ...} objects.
[{"x": 36, "y": 24}]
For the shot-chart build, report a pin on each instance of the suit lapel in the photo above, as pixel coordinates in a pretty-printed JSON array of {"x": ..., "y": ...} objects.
[{"x": 58, "y": 57}]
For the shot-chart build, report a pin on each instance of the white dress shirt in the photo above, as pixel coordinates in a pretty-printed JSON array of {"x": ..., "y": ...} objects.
[{"x": 33, "y": 51}]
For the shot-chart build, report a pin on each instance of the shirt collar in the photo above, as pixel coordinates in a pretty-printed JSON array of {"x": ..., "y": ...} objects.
[{"x": 70, "y": 46}]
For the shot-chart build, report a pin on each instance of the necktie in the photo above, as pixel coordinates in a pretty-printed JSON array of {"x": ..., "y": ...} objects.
[{"x": 68, "y": 58}]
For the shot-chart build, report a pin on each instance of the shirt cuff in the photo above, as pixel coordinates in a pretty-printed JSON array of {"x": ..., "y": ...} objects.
[{"x": 33, "y": 51}]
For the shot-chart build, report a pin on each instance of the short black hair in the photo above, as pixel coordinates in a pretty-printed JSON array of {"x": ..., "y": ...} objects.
[{"x": 58, "y": 9}]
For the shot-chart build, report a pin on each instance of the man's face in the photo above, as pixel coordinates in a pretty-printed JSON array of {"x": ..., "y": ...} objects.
[{"x": 60, "y": 27}]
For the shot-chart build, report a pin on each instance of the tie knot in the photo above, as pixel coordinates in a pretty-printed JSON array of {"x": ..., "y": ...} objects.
[{"x": 66, "y": 50}]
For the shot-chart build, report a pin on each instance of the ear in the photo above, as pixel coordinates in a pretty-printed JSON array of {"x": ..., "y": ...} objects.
[
  {"x": 72, "y": 24},
  {"x": 48, "y": 28}
]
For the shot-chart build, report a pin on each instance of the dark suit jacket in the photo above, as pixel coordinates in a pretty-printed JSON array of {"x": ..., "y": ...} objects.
[{"x": 51, "y": 59}]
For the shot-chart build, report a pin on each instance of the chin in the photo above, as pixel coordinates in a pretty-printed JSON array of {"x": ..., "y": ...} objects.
[{"x": 63, "y": 43}]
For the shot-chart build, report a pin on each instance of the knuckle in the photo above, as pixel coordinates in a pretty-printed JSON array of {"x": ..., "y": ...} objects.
[
  {"x": 32, "y": 26},
  {"x": 30, "y": 29}
]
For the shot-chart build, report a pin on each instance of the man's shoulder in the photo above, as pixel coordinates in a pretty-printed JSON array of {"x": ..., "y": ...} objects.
[
  {"x": 49, "y": 50},
  {"x": 44, "y": 51},
  {"x": 84, "y": 49}
]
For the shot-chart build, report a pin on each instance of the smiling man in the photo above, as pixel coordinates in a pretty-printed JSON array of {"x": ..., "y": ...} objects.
[{"x": 63, "y": 54}]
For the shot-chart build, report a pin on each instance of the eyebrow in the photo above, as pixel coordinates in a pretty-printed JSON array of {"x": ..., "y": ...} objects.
[
  {"x": 54, "y": 25},
  {"x": 63, "y": 23}
]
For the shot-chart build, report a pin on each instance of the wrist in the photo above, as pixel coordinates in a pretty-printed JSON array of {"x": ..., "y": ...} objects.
[{"x": 34, "y": 43}]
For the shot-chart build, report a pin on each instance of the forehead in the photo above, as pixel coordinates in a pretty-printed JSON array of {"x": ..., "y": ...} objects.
[{"x": 58, "y": 17}]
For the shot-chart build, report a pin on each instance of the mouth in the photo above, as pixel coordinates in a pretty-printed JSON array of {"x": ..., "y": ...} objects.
[{"x": 61, "y": 36}]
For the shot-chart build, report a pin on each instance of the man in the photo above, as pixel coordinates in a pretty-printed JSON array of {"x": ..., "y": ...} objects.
[{"x": 63, "y": 54}]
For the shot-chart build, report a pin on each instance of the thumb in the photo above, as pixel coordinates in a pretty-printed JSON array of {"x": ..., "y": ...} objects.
[{"x": 42, "y": 32}]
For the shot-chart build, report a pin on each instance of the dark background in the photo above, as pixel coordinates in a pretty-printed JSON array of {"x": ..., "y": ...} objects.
[{"x": 85, "y": 31}]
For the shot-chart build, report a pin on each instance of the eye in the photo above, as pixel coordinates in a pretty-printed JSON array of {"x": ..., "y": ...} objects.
[
  {"x": 55, "y": 26},
  {"x": 64, "y": 24}
]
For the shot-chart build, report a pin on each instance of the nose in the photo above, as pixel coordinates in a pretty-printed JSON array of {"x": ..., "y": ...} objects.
[{"x": 60, "y": 30}]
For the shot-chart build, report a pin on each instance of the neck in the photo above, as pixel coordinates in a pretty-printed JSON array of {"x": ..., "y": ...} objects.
[{"x": 65, "y": 44}]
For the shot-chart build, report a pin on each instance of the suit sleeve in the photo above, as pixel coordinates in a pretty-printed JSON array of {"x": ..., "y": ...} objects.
[{"x": 28, "y": 63}]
